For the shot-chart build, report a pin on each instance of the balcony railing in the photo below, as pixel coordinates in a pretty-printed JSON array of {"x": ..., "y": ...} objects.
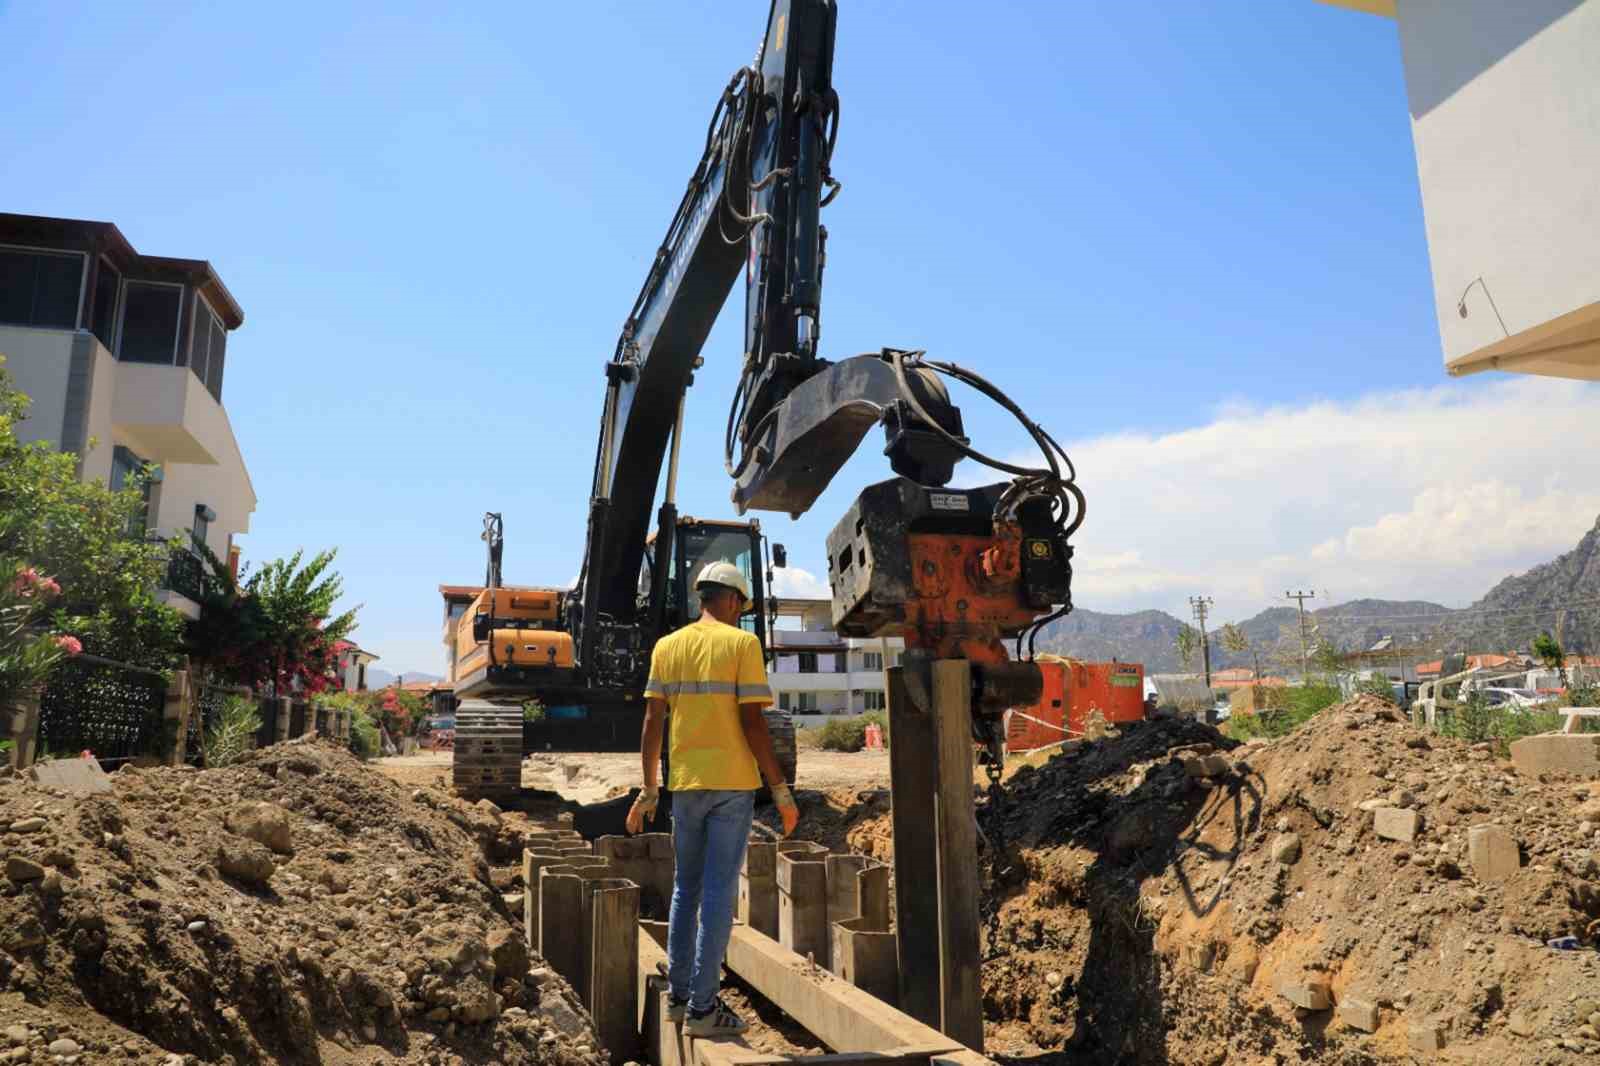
[
  {"x": 807, "y": 638},
  {"x": 184, "y": 574}
]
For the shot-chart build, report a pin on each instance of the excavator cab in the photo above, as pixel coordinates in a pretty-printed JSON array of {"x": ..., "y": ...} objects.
[{"x": 698, "y": 542}]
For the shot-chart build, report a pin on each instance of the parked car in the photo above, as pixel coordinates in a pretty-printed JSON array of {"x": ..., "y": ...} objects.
[{"x": 1521, "y": 699}]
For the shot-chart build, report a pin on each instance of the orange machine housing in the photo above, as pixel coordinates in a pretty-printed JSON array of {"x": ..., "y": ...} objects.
[{"x": 1072, "y": 690}]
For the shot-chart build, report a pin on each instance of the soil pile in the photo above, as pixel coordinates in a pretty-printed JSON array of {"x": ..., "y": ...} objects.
[
  {"x": 1170, "y": 896},
  {"x": 297, "y": 907}
]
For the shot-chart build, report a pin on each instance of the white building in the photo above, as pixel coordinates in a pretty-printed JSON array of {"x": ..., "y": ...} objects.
[
  {"x": 1505, "y": 116},
  {"x": 122, "y": 355},
  {"x": 817, "y": 674}
]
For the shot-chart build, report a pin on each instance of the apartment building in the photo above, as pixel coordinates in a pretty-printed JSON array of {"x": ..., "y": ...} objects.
[
  {"x": 816, "y": 673},
  {"x": 1505, "y": 119},
  {"x": 123, "y": 355}
]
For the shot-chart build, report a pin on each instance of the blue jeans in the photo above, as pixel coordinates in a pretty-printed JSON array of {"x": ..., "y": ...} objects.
[{"x": 710, "y": 828}]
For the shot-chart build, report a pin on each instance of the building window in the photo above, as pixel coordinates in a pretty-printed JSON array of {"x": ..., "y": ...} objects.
[
  {"x": 783, "y": 701},
  {"x": 103, "y": 319},
  {"x": 872, "y": 660},
  {"x": 150, "y": 322},
  {"x": 203, "y": 517},
  {"x": 40, "y": 288},
  {"x": 872, "y": 700},
  {"x": 806, "y": 702},
  {"x": 841, "y": 662},
  {"x": 207, "y": 347},
  {"x": 808, "y": 662},
  {"x": 127, "y": 469}
]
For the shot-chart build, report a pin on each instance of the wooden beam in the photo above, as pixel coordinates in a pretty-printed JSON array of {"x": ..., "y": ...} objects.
[
  {"x": 912, "y": 753},
  {"x": 960, "y": 990},
  {"x": 840, "y": 1015}
]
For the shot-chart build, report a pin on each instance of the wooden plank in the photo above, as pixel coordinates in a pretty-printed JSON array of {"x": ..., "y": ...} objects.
[
  {"x": 912, "y": 754},
  {"x": 960, "y": 990},
  {"x": 840, "y": 1015}
]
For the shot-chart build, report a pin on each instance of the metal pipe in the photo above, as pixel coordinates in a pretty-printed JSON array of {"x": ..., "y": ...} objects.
[{"x": 672, "y": 461}]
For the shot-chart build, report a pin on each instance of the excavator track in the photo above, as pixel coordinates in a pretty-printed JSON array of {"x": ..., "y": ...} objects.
[{"x": 488, "y": 750}]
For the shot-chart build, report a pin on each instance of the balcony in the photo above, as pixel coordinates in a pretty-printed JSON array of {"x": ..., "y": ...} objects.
[
  {"x": 807, "y": 640},
  {"x": 167, "y": 415},
  {"x": 183, "y": 585}
]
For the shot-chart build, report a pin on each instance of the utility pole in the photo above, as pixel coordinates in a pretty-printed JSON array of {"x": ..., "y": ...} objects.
[
  {"x": 1201, "y": 605},
  {"x": 1305, "y": 642}
]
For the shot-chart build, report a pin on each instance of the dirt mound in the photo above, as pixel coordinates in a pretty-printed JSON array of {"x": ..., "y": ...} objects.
[
  {"x": 1155, "y": 906},
  {"x": 296, "y": 907}
]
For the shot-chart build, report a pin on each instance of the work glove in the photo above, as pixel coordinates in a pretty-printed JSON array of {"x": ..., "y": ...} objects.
[
  {"x": 643, "y": 809},
  {"x": 783, "y": 799}
]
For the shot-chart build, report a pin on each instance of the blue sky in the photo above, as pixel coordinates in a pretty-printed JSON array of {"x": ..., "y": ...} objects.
[{"x": 1140, "y": 217}]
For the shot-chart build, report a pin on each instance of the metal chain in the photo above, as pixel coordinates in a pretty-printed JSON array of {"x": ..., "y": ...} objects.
[{"x": 996, "y": 849}]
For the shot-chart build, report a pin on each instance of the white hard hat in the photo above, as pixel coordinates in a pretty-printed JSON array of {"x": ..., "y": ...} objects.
[{"x": 726, "y": 574}]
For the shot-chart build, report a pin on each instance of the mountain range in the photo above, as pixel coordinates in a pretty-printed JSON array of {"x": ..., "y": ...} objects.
[{"x": 1562, "y": 596}]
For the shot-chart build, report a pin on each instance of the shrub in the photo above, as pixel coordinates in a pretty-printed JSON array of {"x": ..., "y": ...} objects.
[
  {"x": 843, "y": 734},
  {"x": 233, "y": 733},
  {"x": 1300, "y": 705},
  {"x": 1380, "y": 687},
  {"x": 533, "y": 711},
  {"x": 364, "y": 739}
]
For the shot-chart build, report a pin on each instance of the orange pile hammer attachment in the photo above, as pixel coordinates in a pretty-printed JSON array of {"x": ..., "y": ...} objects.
[{"x": 941, "y": 569}]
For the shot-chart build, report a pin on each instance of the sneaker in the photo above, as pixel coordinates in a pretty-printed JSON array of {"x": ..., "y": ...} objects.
[
  {"x": 676, "y": 1008},
  {"x": 718, "y": 1021}
]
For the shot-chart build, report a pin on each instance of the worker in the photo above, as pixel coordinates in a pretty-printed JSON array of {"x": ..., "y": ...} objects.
[{"x": 711, "y": 678}]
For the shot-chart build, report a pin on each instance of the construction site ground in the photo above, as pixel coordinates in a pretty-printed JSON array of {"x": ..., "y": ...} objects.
[{"x": 1161, "y": 896}]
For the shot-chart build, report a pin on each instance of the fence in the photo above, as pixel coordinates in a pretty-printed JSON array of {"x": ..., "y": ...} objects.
[
  {"x": 109, "y": 708},
  {"x": 207, "y": 707}
]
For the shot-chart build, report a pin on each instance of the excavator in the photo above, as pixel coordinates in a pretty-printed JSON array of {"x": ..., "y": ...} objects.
[{"x": 958, "y": 572}]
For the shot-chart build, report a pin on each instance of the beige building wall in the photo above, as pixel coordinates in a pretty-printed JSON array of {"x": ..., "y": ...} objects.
[
  {"x": 1505, "y": 116},
  {"x": 162, "y": 413}
]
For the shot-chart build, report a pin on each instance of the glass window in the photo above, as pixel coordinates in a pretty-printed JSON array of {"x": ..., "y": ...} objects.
[
  {"x": 202, "y": 523},
  {"x": 127, "y": 469},
  {"x": 702, "y": 546},
  {"x": 808, "y": 662},
  {"x": 150, "y": 322},
  {"x": 783, "y": 701},
  {"x": 841, "y": 662},
  {"x": 872, "y": 660},
  {"x": 807, "y": 702},
  {"x": 40, "y": 288},
  {"x": 107, "y": 285},
  {"x": 873, "y": 700},
  {"x": 206, "y": 348}
]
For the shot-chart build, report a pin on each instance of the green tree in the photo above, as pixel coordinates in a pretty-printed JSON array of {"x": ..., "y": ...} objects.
[
  {"x": 1236, "y": 642},
  {"x": 78, "y": 532},
  {"x": 1548, "y": 650},
  {"x": 1186, "y": 643},
  {"x": 274, "y": 630}
]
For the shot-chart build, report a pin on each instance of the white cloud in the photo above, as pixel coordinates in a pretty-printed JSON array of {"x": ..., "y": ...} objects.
[
  {"x": 799, "y": 584},
  {"x": 1429, "y": 494}
]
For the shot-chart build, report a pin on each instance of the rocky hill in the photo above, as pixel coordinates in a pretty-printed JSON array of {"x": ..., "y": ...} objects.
[{"x": 1507, "y": 618}]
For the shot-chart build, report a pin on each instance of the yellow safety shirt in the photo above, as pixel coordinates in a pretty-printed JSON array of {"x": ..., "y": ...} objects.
[{"x": 705, "y": 671}]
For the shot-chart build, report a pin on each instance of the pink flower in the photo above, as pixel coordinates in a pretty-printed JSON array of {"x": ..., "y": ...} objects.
[
  {"x": 49, "y": 586},
  {"x": 28, "y": 581},
  {"x": 70, "y": 645}
]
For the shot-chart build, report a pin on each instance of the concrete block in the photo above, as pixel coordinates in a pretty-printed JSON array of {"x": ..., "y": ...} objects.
[
  {"x": 1306, "y": 993},
  {"x": 1493, "y": 853},
  {"x": 1396, "y": 823},
  {"x": 76, "y": 777},
  {"x": 1573, "y": 754},
  {"x": 1359, "y": 1012},
  {"x": 1425, "y": 1036},
  {"x": 803, "y": 906}
]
